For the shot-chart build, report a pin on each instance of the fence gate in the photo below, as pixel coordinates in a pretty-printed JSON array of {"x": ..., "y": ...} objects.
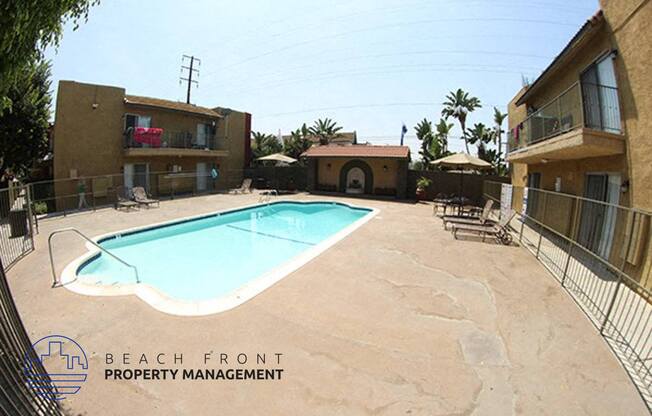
[{"x": 16, "y": 231}]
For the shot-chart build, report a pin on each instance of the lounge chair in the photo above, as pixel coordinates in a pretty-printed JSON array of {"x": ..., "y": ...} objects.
[
  {"x": 123, "y": 202},
  {"x": 245, "y": 188},
  {"x": 499, "y": 231},
  {"x": 482, "y": 219},
  {"x": 141, "y": 197}
]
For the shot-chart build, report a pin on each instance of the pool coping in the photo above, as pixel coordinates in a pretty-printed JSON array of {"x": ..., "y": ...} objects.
[{"x": 167, "y": 304}]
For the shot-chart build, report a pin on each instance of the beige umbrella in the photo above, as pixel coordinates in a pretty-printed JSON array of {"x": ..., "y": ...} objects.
[
  {"x": 462, "y": 161},
  {"x": 278, "y": 157}
]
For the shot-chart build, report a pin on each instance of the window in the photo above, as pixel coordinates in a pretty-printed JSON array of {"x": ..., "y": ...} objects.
[
  {"x": 135, "y": 120},
  {"x": 204, "y": 135},
  {"x": 600, "y": 94}
]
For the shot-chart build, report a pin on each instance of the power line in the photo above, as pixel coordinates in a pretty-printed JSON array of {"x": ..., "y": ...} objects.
[
  {"x": 228, "y": 78},
  {"x": 387, "y": 26},
  {"x": 396, "y": 69},
  {"x": 421, "y": 52},
  {"x": 324, "y": 21},
  {"x": 191, "y": 72}
]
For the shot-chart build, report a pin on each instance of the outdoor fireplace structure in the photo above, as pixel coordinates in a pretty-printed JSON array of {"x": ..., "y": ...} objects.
[{"x": 358, "y": 169}]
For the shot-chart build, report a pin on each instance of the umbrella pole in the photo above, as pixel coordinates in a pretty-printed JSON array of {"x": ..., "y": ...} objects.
[{"x": 461, "y": 183}]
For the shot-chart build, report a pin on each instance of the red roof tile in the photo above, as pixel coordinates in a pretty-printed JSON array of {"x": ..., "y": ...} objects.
[{"x": 401, "y": 152}]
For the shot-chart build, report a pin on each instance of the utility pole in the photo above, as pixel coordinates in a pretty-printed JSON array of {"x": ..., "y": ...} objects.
[{"x": 191, "y": 70}]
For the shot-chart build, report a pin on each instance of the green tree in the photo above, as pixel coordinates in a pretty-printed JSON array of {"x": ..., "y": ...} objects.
[
  {"x": 24, "y": 126},
  {"x": 265, "y": 144},
  {"x": 426, "y": 137},
  {"x": 298, "y": 142},
  {"x": 459, "y": 104},
  {"x": 481, "y": 136},
  {"x": 325, "y": 130},
  {"x": 499, "y": 119},
  {"x": 27, "y": 27},
  {"x": 443, "y": 131}
]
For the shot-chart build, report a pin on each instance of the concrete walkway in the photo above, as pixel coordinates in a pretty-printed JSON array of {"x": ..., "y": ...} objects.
[{"x": 397, "y": 318}]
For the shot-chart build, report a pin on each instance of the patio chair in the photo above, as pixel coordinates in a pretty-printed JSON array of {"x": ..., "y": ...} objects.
[
  {"x": 471, "y": 219},
  {"x": 499, "y": 231},
  {"x": 141, "y": 197},
  {"x": 123, "y": 201},
  {"x": 244, "y": 188},
  {"x": 440, "y": 202}
]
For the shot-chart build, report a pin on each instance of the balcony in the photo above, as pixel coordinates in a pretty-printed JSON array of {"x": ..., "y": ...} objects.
[
  {"x": 175, "y": 143},
  {"x": 582, "y": 122}
]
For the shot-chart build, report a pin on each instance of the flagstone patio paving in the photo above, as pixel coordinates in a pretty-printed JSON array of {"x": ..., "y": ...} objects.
[{"x": 397, "y": 318}]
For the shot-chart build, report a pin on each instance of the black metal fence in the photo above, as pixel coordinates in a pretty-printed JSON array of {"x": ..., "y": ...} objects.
[
  {"x": 16, "y": 397},
  {"x": 16, "y": 236},
  {"x": 91, "y": 192},
  {"x": 599, "y": 253}
]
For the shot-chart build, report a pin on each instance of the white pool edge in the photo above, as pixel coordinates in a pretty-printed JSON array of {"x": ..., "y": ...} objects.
[{"x": 164, "y": 303}]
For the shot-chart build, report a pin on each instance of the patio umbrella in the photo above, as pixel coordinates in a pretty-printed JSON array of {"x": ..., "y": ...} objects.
[
  {"x": 462, "y": 162},
  {"x": 279, "y": 157}
]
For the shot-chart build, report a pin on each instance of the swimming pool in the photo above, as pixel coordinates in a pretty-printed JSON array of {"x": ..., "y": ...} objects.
[{"x": 214, "y": 262}]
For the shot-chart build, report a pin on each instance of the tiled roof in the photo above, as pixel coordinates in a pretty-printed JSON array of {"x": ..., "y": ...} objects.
[
  {"x": 170, "y": 105},
  {"x": 401, "y": 152}
]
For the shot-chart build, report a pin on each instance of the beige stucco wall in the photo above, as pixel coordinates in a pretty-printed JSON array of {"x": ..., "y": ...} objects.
[
  {"x": 90, "y": 140},
  {"x": 626, "y": 31},
  {"x": 330, "y": 175},
  {"x": 629, "y": 24}
]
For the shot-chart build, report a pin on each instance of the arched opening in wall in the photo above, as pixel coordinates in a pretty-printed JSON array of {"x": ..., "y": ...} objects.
[{"x": 356, "y": 177}]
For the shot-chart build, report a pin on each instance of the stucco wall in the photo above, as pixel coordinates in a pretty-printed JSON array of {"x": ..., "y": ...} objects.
[
  {"x": 330, "y": 175},
  {"x": 90, "y": 140},
  {"x": 629, "y": 23},
  {"x": 626, "y": 30}
]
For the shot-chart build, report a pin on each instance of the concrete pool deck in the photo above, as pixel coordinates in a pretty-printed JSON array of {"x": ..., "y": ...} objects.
[{"x": 397, "y": 318}]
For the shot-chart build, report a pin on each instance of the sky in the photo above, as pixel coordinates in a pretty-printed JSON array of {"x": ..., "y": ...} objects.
[{"x": 369, "y": 65}]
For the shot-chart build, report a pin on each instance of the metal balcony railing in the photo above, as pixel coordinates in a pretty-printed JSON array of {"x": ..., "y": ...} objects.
[
  {"x": 582, "y": 105},
  {"x": 176, "y": 140}
]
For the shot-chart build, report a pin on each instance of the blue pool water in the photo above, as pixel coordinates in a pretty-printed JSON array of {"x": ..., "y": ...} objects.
[{"x": 211, "y": 256}]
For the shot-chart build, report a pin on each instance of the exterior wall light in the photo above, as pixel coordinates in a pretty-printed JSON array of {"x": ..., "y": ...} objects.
[
  {"x": 385, "y": 168},
  {"x": 624, "y": 187}
]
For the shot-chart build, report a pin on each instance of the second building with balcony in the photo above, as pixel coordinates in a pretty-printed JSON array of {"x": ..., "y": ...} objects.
[{"x": 582, "y": 127}]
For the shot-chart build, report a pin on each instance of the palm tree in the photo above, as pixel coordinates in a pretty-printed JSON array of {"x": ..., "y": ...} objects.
[
  {"x": 426, "y": 137},
  {"x": 458, "y": 105},
  {"x": 265, "y": 144},
  {"x": 443, "y": 131},
  {"x": 298, "y": 142},
  {"x": 499, "y": 118},
  {"x": 481, "y": 136},
  {"x": 325, "y": 130}
]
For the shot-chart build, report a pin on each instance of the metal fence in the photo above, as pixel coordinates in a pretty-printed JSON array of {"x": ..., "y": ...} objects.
[
  {"x": 16, "y": 232},
  {"x": 91, "y": 192},
  {"x": 16, "y": 398},
  {"x": 599, "y": 253},
  {"x": 581, "y": 105}
]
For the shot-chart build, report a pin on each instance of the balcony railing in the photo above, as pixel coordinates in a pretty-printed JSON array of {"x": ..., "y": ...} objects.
[
  {"x": 582, "y": 105},
  {"x": 176, "y": 140}
]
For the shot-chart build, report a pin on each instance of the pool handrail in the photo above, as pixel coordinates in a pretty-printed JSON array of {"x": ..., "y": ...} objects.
[{"x": 62, "y": 230}]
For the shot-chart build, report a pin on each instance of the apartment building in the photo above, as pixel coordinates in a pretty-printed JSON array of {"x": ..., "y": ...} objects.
[
  {"x": 102, "y": 130},
  {"x": 583, "y": 128}
]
